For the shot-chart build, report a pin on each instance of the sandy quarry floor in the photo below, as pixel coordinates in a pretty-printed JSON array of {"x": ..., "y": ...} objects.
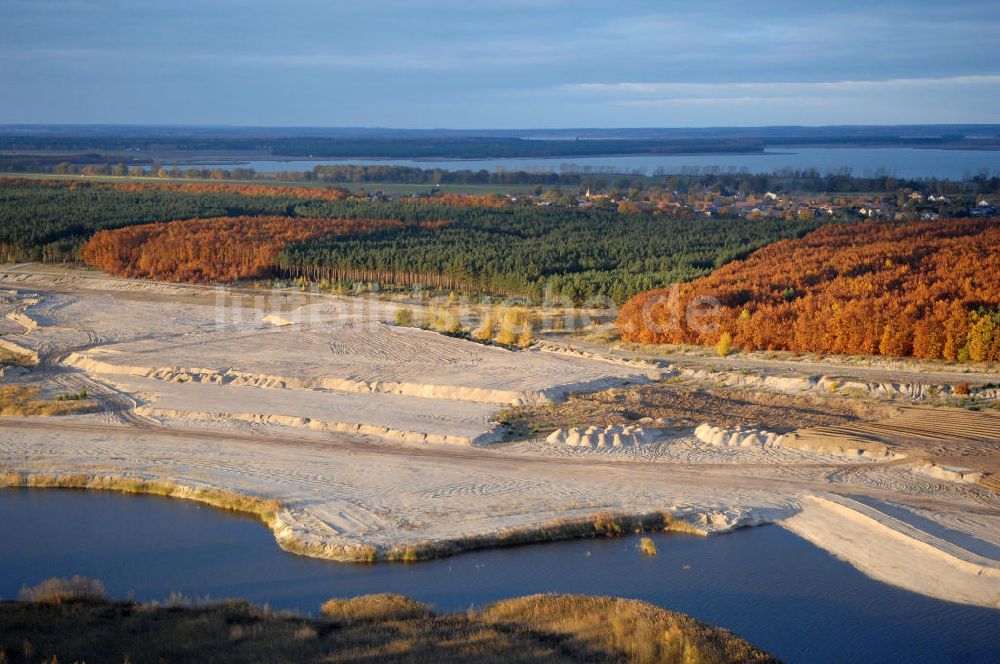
[{"x": 345, "y": 420}]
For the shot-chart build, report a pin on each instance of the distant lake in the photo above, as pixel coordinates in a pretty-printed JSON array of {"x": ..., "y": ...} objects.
[
  {"x": 770, "y": 587},
  {"x": 898, "y": 162}
]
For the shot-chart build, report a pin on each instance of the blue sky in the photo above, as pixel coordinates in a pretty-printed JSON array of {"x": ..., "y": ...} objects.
[{"x": 499, "y": 63}]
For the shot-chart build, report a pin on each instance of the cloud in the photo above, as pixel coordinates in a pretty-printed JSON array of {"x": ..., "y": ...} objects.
[
  {"x": 667, "y": 94},
  {"x": 648, "y": 88}
]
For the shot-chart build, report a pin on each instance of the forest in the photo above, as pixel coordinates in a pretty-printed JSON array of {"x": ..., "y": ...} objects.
[
  {"x": 210, "y": 250},
  {"x": 572, "y": 254},
  {"x": 479, "y": 244},
  {"x": 49, "y": 220},
  {"x": 923, "y": 288}
]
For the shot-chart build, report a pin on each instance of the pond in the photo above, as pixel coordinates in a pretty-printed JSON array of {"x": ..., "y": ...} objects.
[{"x": 765, "y": 584}]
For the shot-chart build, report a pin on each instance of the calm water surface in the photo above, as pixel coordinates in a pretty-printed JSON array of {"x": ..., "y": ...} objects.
[
  {"x": 767, "y": 585},
  {"x": 898, "y": 162}
]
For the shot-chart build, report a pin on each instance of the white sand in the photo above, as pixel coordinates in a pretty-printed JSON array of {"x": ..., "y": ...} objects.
[
  {"x": 361, "y": 357},
  {"x": 300, "y": 413},
  {"x": 890, "y": 550}
]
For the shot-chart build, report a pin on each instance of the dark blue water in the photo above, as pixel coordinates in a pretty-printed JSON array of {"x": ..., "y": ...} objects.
[
  {"x": 767, "y": 585},
  {"x": 898, "y": 162}
]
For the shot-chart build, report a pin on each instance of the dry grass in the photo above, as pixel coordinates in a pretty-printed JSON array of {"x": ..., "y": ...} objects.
[
  {"x": 647, "y": 546},
  {"x": 383, "y": 628},
  {"x": 22, "y": 400},
  {"x": 9, "y": 357},
  {"x": 626, "y": 630},
  {"x": 56, "y": 591},
  {"x": 385, "y": 606},
  {"x": 264, "y": 509}
]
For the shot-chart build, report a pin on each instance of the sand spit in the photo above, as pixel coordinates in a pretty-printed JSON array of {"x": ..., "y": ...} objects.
[
  {"x": 895, "y": 552},
  {"x": 345, "y": 501}
]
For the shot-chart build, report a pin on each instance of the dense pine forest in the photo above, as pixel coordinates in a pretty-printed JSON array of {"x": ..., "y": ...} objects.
[
  {"x": 922, "y": 288},
  {"x": 507, "y": 250}
]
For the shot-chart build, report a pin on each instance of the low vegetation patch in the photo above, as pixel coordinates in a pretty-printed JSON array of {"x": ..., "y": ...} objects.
[
  {"x": 56, "y": 591},
  {"x": 680, "y": 405},
  {"x": 384, "y": 606},
  {"x": 10, "y": 358},
  {"x": 79, "y": 625},
  {"x": 21, "y": 400}
]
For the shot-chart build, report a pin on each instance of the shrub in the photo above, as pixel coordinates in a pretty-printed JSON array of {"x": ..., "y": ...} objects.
[
  {"x": 524, "y": 339},
  {"x": 487, "y": 328},
  {"x": 724, "y": 345},
  {"x": 55, "y": 591},
  {"x": 404, "y": 317},
  {"x": 384, "y": 606},
  {"x": 606, "y": 524},
  {"x": 963, "y": 388}
]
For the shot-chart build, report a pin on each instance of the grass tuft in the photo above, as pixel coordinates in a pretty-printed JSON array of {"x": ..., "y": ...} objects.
[
  {"x": 55, "y": 591},
  {"x": 21, "y": 400},
  {"x": 384, "y": 606}
]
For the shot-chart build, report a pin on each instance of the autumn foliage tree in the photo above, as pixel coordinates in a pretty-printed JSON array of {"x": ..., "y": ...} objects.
[
  {"x": 928, "y": 289},
  {"x": 210, "y": 250}
]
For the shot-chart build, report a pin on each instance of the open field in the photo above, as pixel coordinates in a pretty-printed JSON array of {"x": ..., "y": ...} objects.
[{"x": 318, "y": 403}]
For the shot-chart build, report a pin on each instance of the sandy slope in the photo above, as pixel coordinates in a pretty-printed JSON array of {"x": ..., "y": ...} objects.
[{"x": 891, "y": 550}]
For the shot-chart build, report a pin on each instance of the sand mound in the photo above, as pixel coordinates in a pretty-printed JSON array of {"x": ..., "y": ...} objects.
[
  {"x": 277, "y": 321},
  {"x": 737, "y": 437},
  {"x": 597, "y": 437}
]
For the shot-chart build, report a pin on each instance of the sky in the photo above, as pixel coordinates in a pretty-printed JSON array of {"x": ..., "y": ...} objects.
[{"x": 499, "y": 63}]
